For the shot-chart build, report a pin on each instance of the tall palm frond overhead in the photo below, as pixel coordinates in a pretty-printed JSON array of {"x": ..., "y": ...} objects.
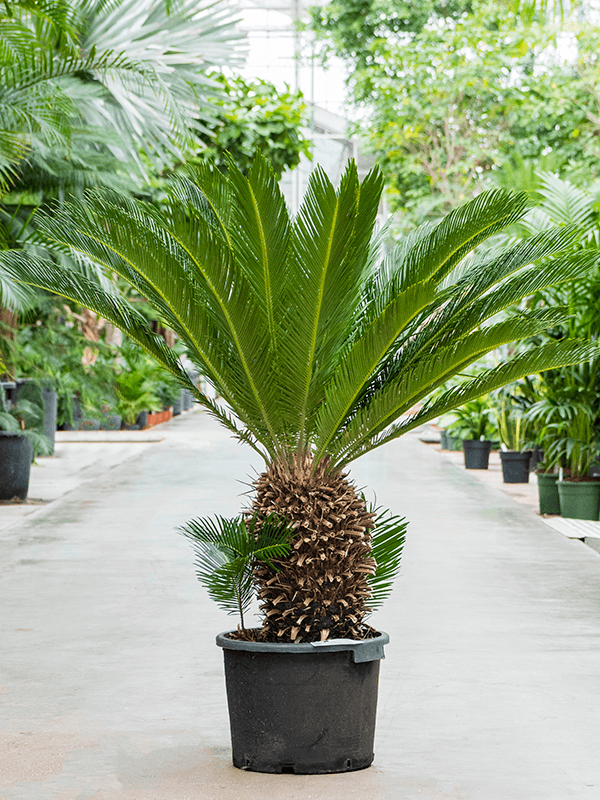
[
  {"x": 130, "y": 66},
  {"x": 319, "y": 357}
]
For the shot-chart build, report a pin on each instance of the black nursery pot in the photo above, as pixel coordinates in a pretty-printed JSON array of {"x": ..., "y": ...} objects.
[
  {"x": 16, "y": 454},
  {"x": 50, "y": 413},
  {"x": 142, "y": 420},
  {"x": 515, "y": 466},
  {"x": 477, "y": 454},
  {"x": 302, "y": 708}
]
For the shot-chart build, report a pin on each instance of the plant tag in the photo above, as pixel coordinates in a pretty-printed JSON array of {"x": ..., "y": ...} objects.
[{"x": 333, "y": 641}]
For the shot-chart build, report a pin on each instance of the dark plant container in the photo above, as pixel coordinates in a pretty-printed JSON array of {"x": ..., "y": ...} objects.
[
  {"x": 302, "y": 708},
  {"x": 16, "y": 454},
  {"x": 78, "y": 417},
  {"x": 177, "y": 407},
  {"x": 111, "y": 422},
  {"x": 454, "y": 442},
  {"x": 134, "y": 427},
  {"x": 477, "y": 454},
  {"x": 90, "y": 425},
  {"x": 186, "y": 399},
  {"x": 537, "y": 457},
  {"x": 50, "y": 413},
  {"x": 9, "y": 389},
  {"x": 579, "y": 499},
  {"x": 449, "y": 442},
  {"x": 548, "y": 493},
  {"x": 142, "y": 420},
  {"x": 515, "y": 466}
]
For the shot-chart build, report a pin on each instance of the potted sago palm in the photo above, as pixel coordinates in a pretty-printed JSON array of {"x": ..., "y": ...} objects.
[{"x": 319, "y": 350}]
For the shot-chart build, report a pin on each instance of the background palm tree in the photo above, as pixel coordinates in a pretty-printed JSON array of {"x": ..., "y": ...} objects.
[
  {"x": 126, "y": 76},
  {"x": 98, "y": 93},
  {"x": 320, "y": 350}
]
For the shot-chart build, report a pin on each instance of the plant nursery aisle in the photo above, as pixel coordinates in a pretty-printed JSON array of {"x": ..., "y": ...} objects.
[{"x": 111, "y": 686}]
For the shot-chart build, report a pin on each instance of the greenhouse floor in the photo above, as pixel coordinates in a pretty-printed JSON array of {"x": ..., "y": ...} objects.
[{"x": 111, "y": 686}]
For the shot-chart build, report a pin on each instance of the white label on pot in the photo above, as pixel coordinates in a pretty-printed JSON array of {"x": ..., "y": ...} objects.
[{"x": 334, "y": 641}]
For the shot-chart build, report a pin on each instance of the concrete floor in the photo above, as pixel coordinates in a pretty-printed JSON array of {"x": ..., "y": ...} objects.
[{"x": 111, "y": 687}]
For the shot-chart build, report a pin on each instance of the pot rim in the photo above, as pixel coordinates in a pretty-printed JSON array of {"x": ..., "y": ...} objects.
[
  {"x": 14, "y": 434},
  {"x": 570, "y": 482},
  {"x": 362, "y": 649}
]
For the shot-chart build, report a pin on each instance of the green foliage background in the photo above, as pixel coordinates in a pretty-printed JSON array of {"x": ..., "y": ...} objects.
[{"x": 452, "y": 91}]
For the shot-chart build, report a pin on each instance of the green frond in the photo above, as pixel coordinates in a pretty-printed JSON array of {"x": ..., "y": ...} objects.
[
  {"x": 550, "y": 356},
  {"x": 438, "y": 251},
  {"x": 387, "y": 544},
  {"x": 354, "y": 371},
  {"x": 226, "y": 551},
  {"x": 9, "y": 423},
  {"x": 189, "y": 276},
  {"x": 485, "y": 289},
  {"x": 37, "y": 272},
  {"x": 329, "y": 250},
  {"x": 205, "y": 191},
  {"x": 310, "y": 352},
  {"x": 260, "y": 218},
  {"x": 565, "y": 203},
  {"x": 415, "y": 383}
]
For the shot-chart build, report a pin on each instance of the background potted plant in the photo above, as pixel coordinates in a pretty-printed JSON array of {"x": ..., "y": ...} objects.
[
  {"x": 568, "y": 406},
  {"x": 135, "y": 398},
  {"x": 514, "y": 430},
  {"x": 18, "y": 444},
  {"x": 576, "y": 448},
  {"x": 542, "y": 415},
  {"x": 319, "y": 351},
  {"x": 447, "y": 440},
  {"x": 473, "y": 423}
]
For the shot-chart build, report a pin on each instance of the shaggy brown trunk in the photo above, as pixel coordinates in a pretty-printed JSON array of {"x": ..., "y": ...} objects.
[{"x": 320, "y": 590}]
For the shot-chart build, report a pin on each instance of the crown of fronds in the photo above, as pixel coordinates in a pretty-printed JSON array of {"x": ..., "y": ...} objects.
[{"x": 311, "y": 344}]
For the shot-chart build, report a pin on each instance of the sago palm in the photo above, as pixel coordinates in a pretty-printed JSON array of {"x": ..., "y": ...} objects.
[{"x": 320, "y": 352}]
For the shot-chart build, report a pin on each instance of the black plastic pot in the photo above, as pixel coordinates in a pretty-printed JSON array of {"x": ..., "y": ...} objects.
[
  {"x": 477, "y": 454},
  {"x": 548, "y": 493},
  {"x": 16, "y": 454},
  {"x": 142, "y": 419},
  {"x": 537, "y": 457},
  {"x": 50, "y": 413},
  {"x": 78, "y": 417},
  {"x": 515, "y": 466},
  {"x": 302, "y": 708},
  {"x": 111, "y": 422},
  {"x": 9, "y": 389},
  {"x": 90, "y": 425},
  {"x": 177, "y": 406}
]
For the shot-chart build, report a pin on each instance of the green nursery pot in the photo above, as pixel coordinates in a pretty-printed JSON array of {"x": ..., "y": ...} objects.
[
  {"x": 548, "y": 493},
  {"x": 579, "y": 500}
]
